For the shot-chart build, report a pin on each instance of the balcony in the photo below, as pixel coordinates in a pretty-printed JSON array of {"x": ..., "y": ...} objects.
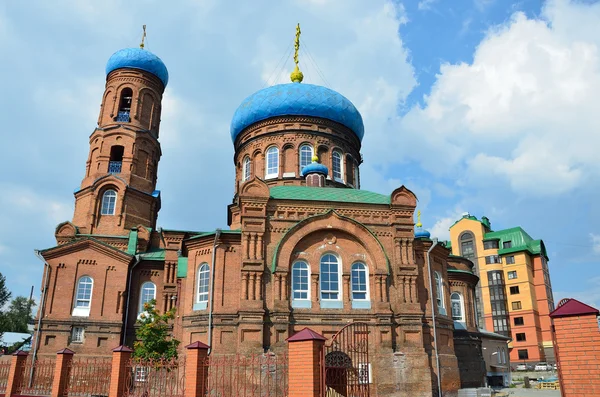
[
  {"x": 114, "y": 167},
  {"x": 123, "y": 115}
]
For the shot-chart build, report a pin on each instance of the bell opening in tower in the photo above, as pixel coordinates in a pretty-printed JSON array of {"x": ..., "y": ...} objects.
[
  {"x": 116, "y": 159},
  {"x": 125, "y": 105}
]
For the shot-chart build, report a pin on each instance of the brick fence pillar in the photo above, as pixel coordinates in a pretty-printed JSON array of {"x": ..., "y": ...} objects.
[
  {"x": 196, "y": 370},
  {"x": 118, "y": 372},
  {"x": 305, "y": 351},
  {"x": 15, "y": 375},
  {"x": 62, "y": 366}
]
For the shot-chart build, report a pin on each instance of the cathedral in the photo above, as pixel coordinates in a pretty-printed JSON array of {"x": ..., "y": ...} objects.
[{"x": 304, "y": 245}]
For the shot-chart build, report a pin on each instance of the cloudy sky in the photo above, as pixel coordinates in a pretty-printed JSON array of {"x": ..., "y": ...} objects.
[{"x": 485, "y": 106}]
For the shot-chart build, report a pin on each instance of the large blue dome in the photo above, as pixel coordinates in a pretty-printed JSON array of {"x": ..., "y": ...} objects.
[
  {"x": 296, "y": 99},
  {"x": 136, "y": 58}
]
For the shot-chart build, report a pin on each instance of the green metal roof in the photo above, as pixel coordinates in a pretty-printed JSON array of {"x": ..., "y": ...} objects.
[
  {"x": 471, "y": 217},
  {"x": 328, "y": 194},
  {"x": 182, "y": 267},
  {"x": 157, "y": 254},
  {"x": 459, "y": 271},
  {"x": 204, "y": 234},
  {"x": 132, "y": 244},
  {"x": 520, "y": 241}
]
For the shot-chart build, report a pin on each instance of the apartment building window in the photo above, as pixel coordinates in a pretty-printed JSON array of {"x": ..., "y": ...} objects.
[
  {"x": 490, "y": 259},
  {"x": 489, "y": 245},
  {"x": 516, "y": 305},
  {"x": 501, "y": 326},
  {"x": 519, "y": 321},
  {"x": 512, "y": 275},
  {"x": 467, "y": 246},
  {"x": 510, "y": 260},
  {"x": 498, "y": 302},
  {"x": 521, "y": 337},
  {"x": 514, "y": 290},
  {"x": 507, "y": 244},
  {"x": 523, "y": 355}
]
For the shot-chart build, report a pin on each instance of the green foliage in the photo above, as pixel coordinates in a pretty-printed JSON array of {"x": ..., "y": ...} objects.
[
  {"x": 153, "y": 334},
  {"x": 4, "y": 292},
  {"x": 18, "y": 315}
]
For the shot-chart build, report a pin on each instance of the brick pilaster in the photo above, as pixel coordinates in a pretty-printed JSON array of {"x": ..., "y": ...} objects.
[
  {"x": 196, "y": 369},
  {"x": 62, "y": 366},
  {"x": 15, "y": 375},
  {"x": 118, "y": 372},
  {"x": 305, "y": 352}
]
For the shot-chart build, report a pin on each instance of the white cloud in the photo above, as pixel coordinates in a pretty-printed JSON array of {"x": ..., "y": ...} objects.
[
  {"x": 588, "y": 293},
  {"x": 595, "y": 239},
  {"x": 426, "y": 4},
  {"x": 22, "y": 199},
  {"x": 441, "y": 228}
]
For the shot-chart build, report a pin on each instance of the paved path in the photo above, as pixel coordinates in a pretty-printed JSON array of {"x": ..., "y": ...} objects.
[{"x": 531, "y": 393}]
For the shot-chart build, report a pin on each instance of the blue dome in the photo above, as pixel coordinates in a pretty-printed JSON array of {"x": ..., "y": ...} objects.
[
  {"x": 136, "y": 58},
  {"x": 313, "y": 168},
  {"x": 296, "y": 99},
  {"x": 422, "y": 233}
]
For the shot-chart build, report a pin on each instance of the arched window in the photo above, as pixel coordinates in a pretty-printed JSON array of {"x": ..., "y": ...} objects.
[
  {"x": 246, "y": 169},
  {"x": 503, "y": 357},
  {"x": 337, "y": 166},
  {"x": 83, "y": 296},
  {"x": 330, "y": 282},
  {"x": 359, "y": 283},
  {"x": 467, "y": 246},
  {"x": 147, "y": 293},
  {"x": 116, "y": 159},
  {"x": 272, "y": 166},
  {"x": 356, "y": 176},
  {"x": 458, "y": 308},
  {"x": 109, "y": 202},
  {"x": 125, "y": 105},
  {"x": 203, "y": 276},
  {"x": 349, "y": 169},
  {"x": 439, "y": 292},
  {"x": 301, "y": 285},
  {"x": 306, "y": 153}
]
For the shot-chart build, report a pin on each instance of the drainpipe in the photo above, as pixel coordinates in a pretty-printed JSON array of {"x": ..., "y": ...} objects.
[
  {"x": 212, "y": 289},
  {"x": 437, "y": 356},
  {"x": 41, "y": 311},
  {"x": 137, "y": 261}
]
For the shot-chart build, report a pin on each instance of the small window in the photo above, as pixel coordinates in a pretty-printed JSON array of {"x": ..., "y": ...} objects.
[
  {"x": 272, "y": 168},
  {"x": 503, "y": 356},
  {"x": 516, "y": 305},
  {"x": 523, "y": 355},
  {"x": 306, "y": 153},
  {"x": 519, "y": 321},
  {"x": 349, "y": 168},
  {"x": 512, "y": 275},
  {"x": 125, "y": 105},
  {"x": 439, "y": 292},
  {"x": 301, "y": 285},
  {"x": 490, "y": 259},
  {"x": 77, "y": 335},
  {"x": 203, "y": 277},
  {"x": 246, "y": 169},
  {"x": 330, "y": 280},
  {"x": 109, "y": 202},
  {"x": 116, "y": 159},
  {"x": 456, "y": 301},
  {"x": 337, "y": 166},
  {"x": 510, "y": 260},
  {"x": 521, "y": 337},
  {"x": 514, "y": 290},
  {"x": 507, "y": 244},
  {"x": 147, "y": 293},
  {"x": 83, "y": 297},
  {"x": 488, "y": 245}
]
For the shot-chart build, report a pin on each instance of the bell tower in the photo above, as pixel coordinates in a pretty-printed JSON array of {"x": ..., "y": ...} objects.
[{"x": 118, "y": 191}]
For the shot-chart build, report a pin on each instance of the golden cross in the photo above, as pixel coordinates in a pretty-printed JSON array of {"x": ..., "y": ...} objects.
[
  {"x": 143, "y": 37},
  {"x": 297, "y": 44}
]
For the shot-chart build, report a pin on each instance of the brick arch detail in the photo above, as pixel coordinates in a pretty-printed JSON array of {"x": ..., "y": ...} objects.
[{"x": 330, "y": 221}]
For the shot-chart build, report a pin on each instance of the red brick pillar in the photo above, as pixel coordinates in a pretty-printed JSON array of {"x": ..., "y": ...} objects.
[
  {"x": 61, "y": 372},
  {"x": 305, "y": 351},
  {"x": 15, "y": 375},
  {"x": 118, "y": 372},
  {"x": 196, "y": 370}
]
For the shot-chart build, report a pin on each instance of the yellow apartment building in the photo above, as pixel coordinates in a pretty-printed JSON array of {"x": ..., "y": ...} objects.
[{"x": 514, "y": 294}]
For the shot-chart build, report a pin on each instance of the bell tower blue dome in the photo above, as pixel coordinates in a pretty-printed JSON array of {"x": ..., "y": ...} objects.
[
  {"x": 137, "y": 58},
  {"x": 296, "y": 99}
]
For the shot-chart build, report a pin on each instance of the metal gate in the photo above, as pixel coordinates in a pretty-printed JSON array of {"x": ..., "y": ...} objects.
[{"x": 347, "y": 371}]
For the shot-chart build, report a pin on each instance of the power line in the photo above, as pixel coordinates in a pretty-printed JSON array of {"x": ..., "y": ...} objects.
[
  {"x": 321, "y": 74},
  {"x": 284, "y": 56}
]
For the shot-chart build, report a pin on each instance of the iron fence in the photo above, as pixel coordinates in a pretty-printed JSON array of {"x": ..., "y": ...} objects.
[
  {"x": 4, "y": 370},
  {"x": 155, "y": 378},
  {"x": 37, "y": 377},
  {"x": 88, "y": 377}
]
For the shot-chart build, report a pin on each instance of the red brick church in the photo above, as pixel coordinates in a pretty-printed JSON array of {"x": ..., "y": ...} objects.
[{"x": 304, "y": 245}]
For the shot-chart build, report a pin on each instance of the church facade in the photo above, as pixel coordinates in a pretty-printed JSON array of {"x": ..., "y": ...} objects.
[{"x": 304, "y": 246}]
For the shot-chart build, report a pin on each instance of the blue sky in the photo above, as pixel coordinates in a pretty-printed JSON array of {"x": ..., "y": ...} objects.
[{"x": 485, "y": 106}]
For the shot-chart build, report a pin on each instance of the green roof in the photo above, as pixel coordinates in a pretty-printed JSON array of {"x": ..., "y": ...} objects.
[
  {"x": 133, "y": 241},
  {"x": 328, "y": 194},
  {"x": 157, "y": 254},
  {"x": 520, "y": 241},
  {"x": 204, "y": 234}
]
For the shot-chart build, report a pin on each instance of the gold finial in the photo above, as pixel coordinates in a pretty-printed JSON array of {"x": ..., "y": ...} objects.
[
  {"x": 315, "y": 157},
  {"x": 419, "y": 224},
  {"x": 297, "y": 75},
  {"x": 143, "y": 37}
]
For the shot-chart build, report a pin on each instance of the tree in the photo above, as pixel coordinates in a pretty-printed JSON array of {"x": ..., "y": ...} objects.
[
  {"x": 4, "y": 297},
  {"x": 18, "y": 315},
  {"x": 153, "y": 334}
]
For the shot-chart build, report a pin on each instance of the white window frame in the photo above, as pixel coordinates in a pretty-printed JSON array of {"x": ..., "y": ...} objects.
[
  {"x": 461, "y": 303},
  {"x": 439, "y": 292},
  {"x": 336, "y": 177},
  {"x": 364, "y": 378},
  {"x": 142, "y": 301},
  {"x": 301, "y": 266},
  {"x": 82, "y": 305},
  {"x": 364, "y": 270},
  {"x": 77, "y": 334},
  {"x": 339, "y": 279},
  {"x": 107, "y": 196},
  {"x": 203, "y": 269},
  {"x": 246, "y": 171},
  {"x": 302, "y": 149},
  {"x": 272, "y": 170}
]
